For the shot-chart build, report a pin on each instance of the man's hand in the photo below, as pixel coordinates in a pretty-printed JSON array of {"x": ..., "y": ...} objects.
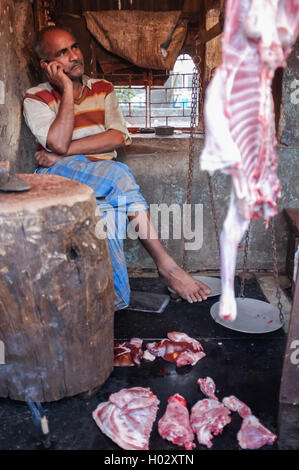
[
  {"x": 57, "y": 76},
  {"x": 46, "y": 159}
]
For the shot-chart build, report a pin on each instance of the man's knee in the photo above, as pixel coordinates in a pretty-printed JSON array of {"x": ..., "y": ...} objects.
[
  {"x": 123, "y": 168},
  {"x": 123, "y": 175}
]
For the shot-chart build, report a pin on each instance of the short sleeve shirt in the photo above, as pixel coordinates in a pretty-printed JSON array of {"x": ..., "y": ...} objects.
[{"x": 96, "y": 110}]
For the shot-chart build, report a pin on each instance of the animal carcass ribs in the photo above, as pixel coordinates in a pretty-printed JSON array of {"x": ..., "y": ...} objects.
[
  {"x": 175, "y": 424},
  {"x": 239, "y": 120},
  {"x": 128, "y": 416}
]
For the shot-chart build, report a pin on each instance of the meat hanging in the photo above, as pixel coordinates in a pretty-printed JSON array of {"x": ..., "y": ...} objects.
[{"x": 239, "y": 120}]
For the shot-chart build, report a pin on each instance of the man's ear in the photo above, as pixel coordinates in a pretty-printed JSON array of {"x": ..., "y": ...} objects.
[{"x": 43, "y": 63}]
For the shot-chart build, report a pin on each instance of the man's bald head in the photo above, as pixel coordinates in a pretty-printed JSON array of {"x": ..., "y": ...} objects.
[
  {"x": 40, "y": 45},
  {"x": 56, "y": 45}
]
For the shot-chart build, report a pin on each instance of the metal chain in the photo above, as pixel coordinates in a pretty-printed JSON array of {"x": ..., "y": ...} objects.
[
  {"x": 275, "y": 271},
  {"x": 196, "y": 98},
  {"x": 245, "y": 256},
  {"x": 214, "y": 215}
]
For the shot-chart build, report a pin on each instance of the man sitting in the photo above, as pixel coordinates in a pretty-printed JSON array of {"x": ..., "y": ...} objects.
[{"x": 78, "y": 124}]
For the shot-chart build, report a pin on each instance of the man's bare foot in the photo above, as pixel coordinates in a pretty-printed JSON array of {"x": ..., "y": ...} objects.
[{"x": 182, "y": 283}]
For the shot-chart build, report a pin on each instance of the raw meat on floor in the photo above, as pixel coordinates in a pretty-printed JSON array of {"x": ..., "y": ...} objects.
[
  {"x": 175, "y": 423},
  {"x": 234, "y": 404},
  {"x": 253, "y": 434},
  {"x": 208, "y": 387},
  {"x": 208, "y": 418},
  {"x": 128, "y": 353},
  {"x": 178, "y": 348},
  {"x": 128, "y": 416}
]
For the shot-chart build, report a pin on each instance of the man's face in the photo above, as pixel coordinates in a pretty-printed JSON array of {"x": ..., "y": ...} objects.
[{"x": 60, "y": 46}]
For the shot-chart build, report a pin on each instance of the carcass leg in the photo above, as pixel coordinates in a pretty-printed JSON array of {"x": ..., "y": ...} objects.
[{"x": 234, "y": 227}]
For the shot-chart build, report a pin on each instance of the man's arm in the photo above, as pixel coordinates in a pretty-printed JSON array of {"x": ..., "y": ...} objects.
[
  {"x": 61, "y": 130},
  {"x": 98, "y": 143}
]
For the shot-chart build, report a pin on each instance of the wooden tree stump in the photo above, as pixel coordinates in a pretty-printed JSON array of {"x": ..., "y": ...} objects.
[{"x": 56, "y": 292}]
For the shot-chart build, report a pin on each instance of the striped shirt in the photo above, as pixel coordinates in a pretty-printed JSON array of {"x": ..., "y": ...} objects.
[{"x": 96, "y": 110}]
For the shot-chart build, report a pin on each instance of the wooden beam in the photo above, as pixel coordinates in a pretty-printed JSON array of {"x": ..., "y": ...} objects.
[
  {"x": 192, "y": 6},
  {"x": 212, "y": 4},
  {"x": 42, "y": 9},
  {"x": 204, "y": 36}
]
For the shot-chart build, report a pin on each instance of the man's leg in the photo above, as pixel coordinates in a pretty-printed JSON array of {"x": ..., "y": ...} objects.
[
  {"x": 170, "y": 273},
  {"x": 111, "y": 219},
  {"x": 113, "y": 181}
]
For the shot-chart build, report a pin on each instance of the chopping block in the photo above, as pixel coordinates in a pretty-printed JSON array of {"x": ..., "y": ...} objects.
[{"x": 56, "y": 292}]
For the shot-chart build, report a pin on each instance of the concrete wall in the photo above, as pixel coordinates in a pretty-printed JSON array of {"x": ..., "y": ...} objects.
[
  {"x": 16, "y": 38},
  {"x": 289, "y": 123},
  {"x": 160, "y": 166}
]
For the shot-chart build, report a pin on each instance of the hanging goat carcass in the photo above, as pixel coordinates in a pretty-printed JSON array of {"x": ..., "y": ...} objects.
[{"x": 239, "y": 120}]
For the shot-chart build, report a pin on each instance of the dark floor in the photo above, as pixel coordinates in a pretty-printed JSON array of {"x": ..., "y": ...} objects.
[{"x": 245, "y": 365}]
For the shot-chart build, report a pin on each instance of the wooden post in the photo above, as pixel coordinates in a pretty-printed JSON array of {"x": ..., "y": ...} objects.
[
  {"x": 288, "y": 418},
  {"x": 292, "y": 218},
  {"x": 56, "y": 292}
]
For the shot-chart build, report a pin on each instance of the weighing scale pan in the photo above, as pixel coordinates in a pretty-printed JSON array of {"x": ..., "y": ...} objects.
[
  {"x": 254, "y": 316},
  {"x": 214, "y": 283}
]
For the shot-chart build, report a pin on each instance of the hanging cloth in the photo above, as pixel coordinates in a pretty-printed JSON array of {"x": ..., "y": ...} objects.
[{"x": 151, "y": 40}]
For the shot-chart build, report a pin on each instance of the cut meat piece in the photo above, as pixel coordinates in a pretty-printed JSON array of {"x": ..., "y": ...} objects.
[
  {"x": 128, "y": 416},
  {"x": 179, "y": 336},
  {"x": 208, "y": 387},
  {"x": 178, "y": 348},
  {"x": 208, "y": 417},
  {"x": 239, "y": 120},
  {"x": 128, "y": 353},
  {"x": 253, "y": 434},
  {"x": 175, "y": 424},
  {"x": 189, "y": 357},
  {"x": 148, "y": 356},
  {"x": 234, "y": 404}
]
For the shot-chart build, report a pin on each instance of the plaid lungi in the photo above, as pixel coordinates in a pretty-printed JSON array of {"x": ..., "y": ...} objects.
[{"x": 117, "y": 194}]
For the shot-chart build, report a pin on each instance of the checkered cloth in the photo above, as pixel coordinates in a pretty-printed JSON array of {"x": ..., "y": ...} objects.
[{"x": 117, "y": 195}]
